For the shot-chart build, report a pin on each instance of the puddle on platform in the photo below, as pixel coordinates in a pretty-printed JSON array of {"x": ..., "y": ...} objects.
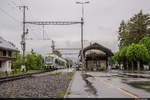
[
  {"x": 91, "y": 88},
  {"x": 145, "y": 85},
  {"x": 136, "y": 76}
]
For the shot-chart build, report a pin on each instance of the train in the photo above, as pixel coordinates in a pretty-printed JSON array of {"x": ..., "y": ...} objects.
[{"x": 53, "y": 62}]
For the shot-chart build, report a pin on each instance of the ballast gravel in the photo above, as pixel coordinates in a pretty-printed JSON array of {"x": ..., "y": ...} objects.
[{"x": 49, "y": 86}]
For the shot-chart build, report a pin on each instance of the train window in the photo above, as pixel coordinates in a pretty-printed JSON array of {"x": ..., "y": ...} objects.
[
  {"x": 48, "y": 60},
  {"x": 56, "y": 61}
]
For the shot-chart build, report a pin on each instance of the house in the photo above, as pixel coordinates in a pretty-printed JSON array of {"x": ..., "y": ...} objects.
[
  {"x": 8, "y": 53},
  {"x": 96, "y": 56}
]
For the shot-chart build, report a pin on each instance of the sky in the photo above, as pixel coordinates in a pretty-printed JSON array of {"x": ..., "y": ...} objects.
[{"x": 102, "y": 19}]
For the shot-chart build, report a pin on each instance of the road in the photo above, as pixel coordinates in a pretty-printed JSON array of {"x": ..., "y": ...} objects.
[{"x": 105, "y": 85}]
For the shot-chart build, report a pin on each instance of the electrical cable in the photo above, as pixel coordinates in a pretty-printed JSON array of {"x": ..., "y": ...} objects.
[{"x": 14, "y": 19}]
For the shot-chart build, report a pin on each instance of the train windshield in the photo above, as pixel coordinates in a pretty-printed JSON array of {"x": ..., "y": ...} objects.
[{"x": 49, "y": 60}]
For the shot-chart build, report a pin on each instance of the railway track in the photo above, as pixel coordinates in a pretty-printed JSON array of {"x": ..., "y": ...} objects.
[{"x": 11, "y": 78}]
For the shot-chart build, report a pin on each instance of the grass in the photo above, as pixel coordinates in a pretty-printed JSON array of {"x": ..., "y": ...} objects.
[
  {"x": 141, "y": 85},
  {"x": 33, "y": 71},
  {"x": 70, "y": 78},
  {"x": 61, "y": 93},
  {"x": 18, "y": 72},
  {"x": 70, "y": 73},
  {"x": 69, "y": 93}
]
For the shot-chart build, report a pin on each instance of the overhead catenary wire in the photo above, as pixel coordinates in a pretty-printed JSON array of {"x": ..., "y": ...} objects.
[
  {"x": 13, "y": 3},
  {"x": 32, "y": 32},
  {"x": 14, "y": 19},
  {"x": 37, "y": 29}
]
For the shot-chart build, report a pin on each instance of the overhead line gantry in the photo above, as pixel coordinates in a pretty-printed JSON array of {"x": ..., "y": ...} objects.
[
  {"x": 68, "y": 48},
  {"x": 53, "y": 22}
]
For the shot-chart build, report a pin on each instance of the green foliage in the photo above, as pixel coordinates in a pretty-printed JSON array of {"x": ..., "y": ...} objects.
[
  {"x": 61, "y": 93},
  {"x": 113, "y": 61},
  {"x": 101, "y": 68},
  {"x": 120, "y": 56},
  {"x": 123, "y": 52},
  {"x": 57, "y": 53},
  {"x": 134, "y": 30},
  {"x": 39, "y": 60},
  {"x": 17, "y": 64},
  {"x": 146, "y": 42},
  {"x": 33, "y": 61},
  {"x": 137, "y": 52},
  {"x": 116, "y": 57},
  {"x": 123, "y": 34},
  {"x": 70, "y": 78},
  {"x": 69, "y": 62},
  {"x": 70, "y": 73}
]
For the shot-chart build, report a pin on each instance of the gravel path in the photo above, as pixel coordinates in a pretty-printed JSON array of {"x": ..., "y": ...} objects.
[{"x": 49, "y": 86}]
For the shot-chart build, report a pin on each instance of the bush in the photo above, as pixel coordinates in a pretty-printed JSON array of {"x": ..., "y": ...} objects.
[
  {"x": 34, "y": 61},
  {"x": 17, "y": 64},
  {"x": 101, "y": 69}
]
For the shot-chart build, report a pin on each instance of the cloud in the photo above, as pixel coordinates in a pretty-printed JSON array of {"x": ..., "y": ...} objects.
[{"x": 102, "y": 19}]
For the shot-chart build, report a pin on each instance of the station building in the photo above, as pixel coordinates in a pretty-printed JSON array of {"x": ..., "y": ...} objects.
[
  {"x": 96, "y": 56},
  {"x": 8, "y": 53}
]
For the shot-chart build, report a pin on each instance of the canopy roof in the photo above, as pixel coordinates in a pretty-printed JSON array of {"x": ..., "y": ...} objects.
[{"x": 98, "y": 47}]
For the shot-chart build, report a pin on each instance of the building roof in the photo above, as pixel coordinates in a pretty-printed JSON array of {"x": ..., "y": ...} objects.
[
  {"x": 98, "y": 47},
  {"x": 5, "y": 45}
]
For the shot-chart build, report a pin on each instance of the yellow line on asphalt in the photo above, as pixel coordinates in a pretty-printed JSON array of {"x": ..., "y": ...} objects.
[
  {"x": 109, "y": 84},
  {"x": 132, "y": 95},
  {"x": 106, "y": 83}
]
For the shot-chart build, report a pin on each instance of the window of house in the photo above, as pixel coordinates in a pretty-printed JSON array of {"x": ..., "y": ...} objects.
[
  {"x": 4, "y": 53},
  {"x": 0, "y": 53},
  {"x": 9, "y": 53},
  {"x": 0, "y": 64}
]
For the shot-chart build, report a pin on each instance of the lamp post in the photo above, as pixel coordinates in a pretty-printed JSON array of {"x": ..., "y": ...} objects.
[{"x": 82, "y": 23}]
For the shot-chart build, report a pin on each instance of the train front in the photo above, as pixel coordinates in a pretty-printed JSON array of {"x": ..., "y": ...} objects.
[{"x": 49, "y": 59}]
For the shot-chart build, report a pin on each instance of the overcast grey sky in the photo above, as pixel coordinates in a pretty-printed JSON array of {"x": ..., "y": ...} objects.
[{"x": 102, "y": 19}]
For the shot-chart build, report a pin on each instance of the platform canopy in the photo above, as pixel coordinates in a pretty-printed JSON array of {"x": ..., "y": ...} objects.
[{"x": 96, "y": 49}]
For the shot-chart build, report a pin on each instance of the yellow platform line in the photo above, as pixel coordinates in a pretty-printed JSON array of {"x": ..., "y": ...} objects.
[
  {"x": 130, "y": 94},
  {"x": 119, "y": 89}
]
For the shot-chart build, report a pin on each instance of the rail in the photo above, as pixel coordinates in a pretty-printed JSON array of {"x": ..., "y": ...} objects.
[{"x": 11, "y": 78}]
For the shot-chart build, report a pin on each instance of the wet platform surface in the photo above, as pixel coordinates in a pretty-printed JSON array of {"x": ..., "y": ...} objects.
[{"x": 105, "y": 85}]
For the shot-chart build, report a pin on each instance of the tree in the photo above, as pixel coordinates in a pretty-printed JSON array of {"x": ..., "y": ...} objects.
[
  {"x": 122, "y": 34},
  {"x": 31, "y": 61},
  {"x": 146, "y": 42},
  {"x": 117, "y": 57},
  {"x": 134, "y": 30},
  {"x": 138, "y": 26},
  {"x": 57, "y": 53},
  {"x": 69, "y": 62},
  {"x": 34, "y": 61},
  {"x": 121, "y": 57},
  {"x": 138, "y": 53},
  {"x": 39, "y": 60},
  {"x": 32, "y": 52},
  {"x": 19, "y": 61}
]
